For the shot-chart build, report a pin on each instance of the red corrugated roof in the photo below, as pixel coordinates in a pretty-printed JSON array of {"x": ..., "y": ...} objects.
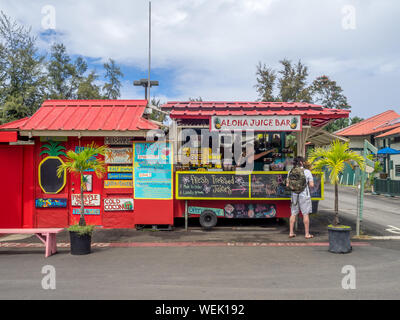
[
  {"x": 382, "y": 122},
  {"x": 90, "y": 115},
  {"x": 14, "y": 125},
  {"x": 206, "y": 109}
]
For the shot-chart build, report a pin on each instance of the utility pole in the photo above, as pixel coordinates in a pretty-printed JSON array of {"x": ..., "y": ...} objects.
[
  {"x": 148, "y": 75},
  {"x": 147, "y": 83}
]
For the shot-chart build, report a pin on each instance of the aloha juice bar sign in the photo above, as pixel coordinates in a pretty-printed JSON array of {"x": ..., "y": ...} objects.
[{"x": 256, "y": 123}]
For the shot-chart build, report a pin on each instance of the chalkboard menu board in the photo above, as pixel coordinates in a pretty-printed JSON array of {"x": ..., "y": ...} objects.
[
  {"x": 229, "y": 185},
  {"x": 273, "y": 185},
  {"x": 213, "y": 185},
  {"x": 269, "y": 186}
]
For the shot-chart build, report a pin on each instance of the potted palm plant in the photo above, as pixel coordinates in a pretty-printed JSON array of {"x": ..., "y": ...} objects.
[
  {"x": 77, "y": 163},
  {"x": 334, "y": 158}
]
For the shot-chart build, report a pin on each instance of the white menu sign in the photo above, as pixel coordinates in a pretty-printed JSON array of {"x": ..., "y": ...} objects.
[
  {"x": 255, "y": 123},
  {"x": 90, "y": 200}
]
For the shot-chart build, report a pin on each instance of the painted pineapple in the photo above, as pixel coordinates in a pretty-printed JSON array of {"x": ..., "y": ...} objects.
[
  {"x": 48, "y": 180},
  {"x": 217, "y": 123},
  {"x": 293, "y": 124}
]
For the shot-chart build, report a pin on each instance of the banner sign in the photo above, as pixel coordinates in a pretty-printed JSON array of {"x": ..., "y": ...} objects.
[
  {"x": 118, "y": 156},
  {"x": 153, "y": 171},
  {"x": 118, "y": 204},
  {"x": 109, "y": 184},
  {"x": 88, "y": 212},
  {"x": 255, "y": 123},
  {"x": 119, "y": 169},
  {"x": 118, "y": 141},
  {"x": 90, "y": 200},
  {"x": 199, "y": 210},
  {"x": 119, "y": 176},
  {"x": 51, "y": 203}
]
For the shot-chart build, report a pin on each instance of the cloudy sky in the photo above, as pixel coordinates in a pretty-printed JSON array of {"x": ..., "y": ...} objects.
[{"x": 210, "y": 48}]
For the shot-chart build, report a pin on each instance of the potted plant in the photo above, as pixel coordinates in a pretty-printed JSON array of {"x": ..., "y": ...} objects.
[
  {"x": 334, "y": 158},
  {"x": 78, "y": 163}
]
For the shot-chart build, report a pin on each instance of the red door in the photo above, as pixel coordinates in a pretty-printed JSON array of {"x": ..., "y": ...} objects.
[{"x": 11, "y": 184}]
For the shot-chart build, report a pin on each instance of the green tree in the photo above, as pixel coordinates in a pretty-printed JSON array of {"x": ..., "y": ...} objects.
[
  {"x": 293, "y": 82},
  {"x": 22, "y": 77},
  {"x": 112, "y": 89},
  {"x": 64, "y": 75},
  {"x": 355, "y": 120},
  {"x": 156, "y": 113},
  {"x": 88, "y": 89},
  {"x": 266, "y": 78},
  {"x": 199, "y": 99},
  {"x": 330, "y": 95},
  {"x": 290, "y": 82},
  {"x": 78, "y": 163},
  {"x": 333, "y": 158}
]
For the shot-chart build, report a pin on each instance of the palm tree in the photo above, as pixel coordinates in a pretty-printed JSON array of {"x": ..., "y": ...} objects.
[
  {"x": 78, "y": 163},
  {"x": 334, "y": 158}
]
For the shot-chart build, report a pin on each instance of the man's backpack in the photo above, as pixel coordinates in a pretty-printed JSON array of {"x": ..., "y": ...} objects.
[{"x": 297, "y": 180}]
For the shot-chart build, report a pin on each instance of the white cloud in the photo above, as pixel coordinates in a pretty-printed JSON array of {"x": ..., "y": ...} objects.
[{"x": 213, "y": 46}]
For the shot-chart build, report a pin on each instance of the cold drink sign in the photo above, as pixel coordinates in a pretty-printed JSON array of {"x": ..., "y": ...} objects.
[
  {"x": 118, "y": 204},
  {"x": 255, "y": 123}
]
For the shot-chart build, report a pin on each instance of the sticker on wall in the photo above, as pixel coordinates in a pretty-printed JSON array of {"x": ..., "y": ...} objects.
[
  {"x": 88, "y": 212},
  {"x": 243, "y": 211},
  {"x": 119, "y": 176},
  {"x": 90, "y": 200},
  {"x": 49, "y": 181},
  {"x": 198, "y": 210},
  {"x": 87, "y": 182},
  {"x": 119, "y": 156},
  {"x": 51, "y": 203},
  {"x": 118, "y": 204},
  {"x": 127, "y": 169},
  {"x": 108, "y": 184}
]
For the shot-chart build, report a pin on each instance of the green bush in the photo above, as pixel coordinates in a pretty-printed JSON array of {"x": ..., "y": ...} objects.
[{"x": 81, "y": 230}]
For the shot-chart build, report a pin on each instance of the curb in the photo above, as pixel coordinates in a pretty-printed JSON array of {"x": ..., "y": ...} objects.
[{"x": 183, "y": 244}]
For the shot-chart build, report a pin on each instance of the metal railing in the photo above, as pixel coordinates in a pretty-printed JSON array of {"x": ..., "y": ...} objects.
[{"x": 387, "y": 186}]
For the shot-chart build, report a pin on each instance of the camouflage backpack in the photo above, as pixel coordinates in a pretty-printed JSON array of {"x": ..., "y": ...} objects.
[{"x": 297, "y": 180}]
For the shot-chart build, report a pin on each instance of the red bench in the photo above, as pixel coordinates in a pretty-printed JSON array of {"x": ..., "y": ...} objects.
[{"x": 47, "y": 236}]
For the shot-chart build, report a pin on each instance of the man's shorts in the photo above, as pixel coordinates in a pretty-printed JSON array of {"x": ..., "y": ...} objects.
[{"x": 301, "y": 203}]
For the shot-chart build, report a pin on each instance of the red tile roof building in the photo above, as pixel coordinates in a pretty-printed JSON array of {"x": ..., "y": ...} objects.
[
  {"x": 375, "y": 125},
  {"x": 85, "y": 117}
]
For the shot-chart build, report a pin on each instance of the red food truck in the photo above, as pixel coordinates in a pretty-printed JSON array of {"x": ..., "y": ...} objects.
[{"x": 213, "y": 141}]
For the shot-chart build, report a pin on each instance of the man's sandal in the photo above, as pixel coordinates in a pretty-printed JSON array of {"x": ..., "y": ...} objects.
[
  {"x": 292, "y": 236},
  {"x": 309, "y": 236}
]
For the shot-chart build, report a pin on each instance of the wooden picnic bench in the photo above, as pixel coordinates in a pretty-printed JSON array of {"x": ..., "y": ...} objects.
[{"x": 47, "y": 236}]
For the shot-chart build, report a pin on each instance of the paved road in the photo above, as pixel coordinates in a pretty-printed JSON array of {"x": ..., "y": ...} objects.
[
  {"x": 380, "y": 212},
  {"x": 202, "y": 273}
]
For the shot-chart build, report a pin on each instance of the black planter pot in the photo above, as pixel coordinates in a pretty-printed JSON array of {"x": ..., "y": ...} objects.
[
  {"x": 80, "y": 244},
  {"x": 339, "y": 240}
]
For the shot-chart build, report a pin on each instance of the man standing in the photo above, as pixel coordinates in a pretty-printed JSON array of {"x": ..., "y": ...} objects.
[{"x": 300, "y": 180}]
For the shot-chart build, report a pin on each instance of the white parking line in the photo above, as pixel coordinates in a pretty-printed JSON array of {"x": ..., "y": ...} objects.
[
  {"x": 386, "y": 238},
  {"x": 393, "y": 229}
]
